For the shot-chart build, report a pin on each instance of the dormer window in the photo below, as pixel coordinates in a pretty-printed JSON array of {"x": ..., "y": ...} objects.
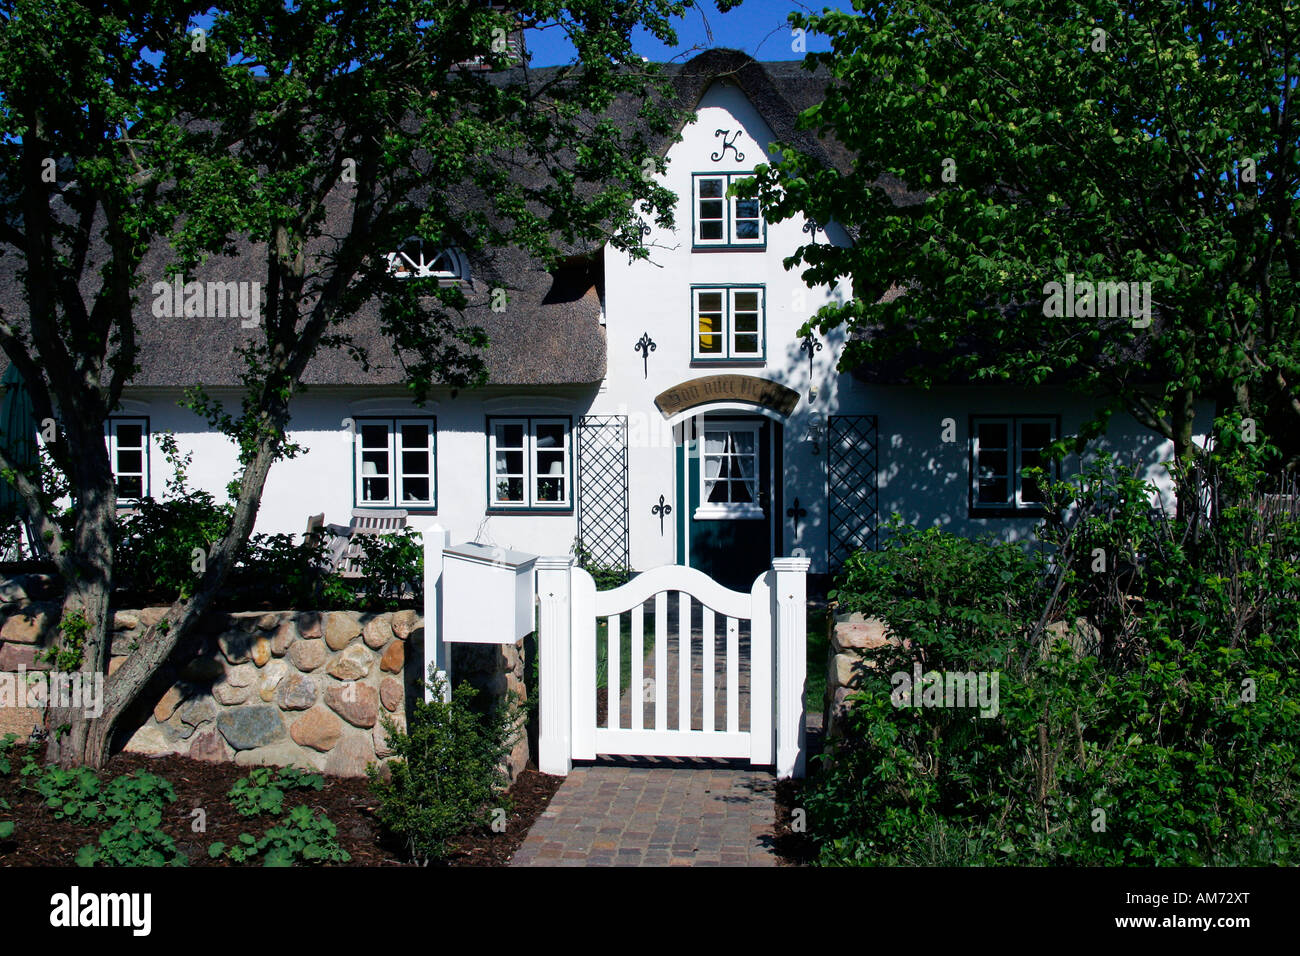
[{"x": 419, "y": 260}]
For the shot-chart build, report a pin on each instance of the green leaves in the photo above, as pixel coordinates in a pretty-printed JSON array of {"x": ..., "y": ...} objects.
[
  {"x": 303, "y": 836},
  {"x": 1123, "y": 164},
  {"x": 447, "y": 768},
  {"x": 263, "y": 790}
]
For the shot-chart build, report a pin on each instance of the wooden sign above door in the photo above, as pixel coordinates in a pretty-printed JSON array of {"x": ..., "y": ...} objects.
[{"x": 710, "y": 389}]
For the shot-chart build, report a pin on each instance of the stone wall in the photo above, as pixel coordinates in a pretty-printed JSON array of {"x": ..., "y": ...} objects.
[{"x": 283, "y": 688}]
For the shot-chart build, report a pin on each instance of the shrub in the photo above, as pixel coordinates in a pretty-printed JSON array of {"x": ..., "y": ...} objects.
[
  {"x": 392, "y": 566},
  {"x": 157, "y": 543},
  {"x": 134, "y": 805},
  {"x": 446, "y": 771},
  {"x": 1171, "y": 742}
]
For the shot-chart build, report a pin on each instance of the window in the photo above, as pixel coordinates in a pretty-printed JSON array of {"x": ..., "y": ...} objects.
[
  {"x": 416, "y": 260},
  {"x": 395, "y": 463},
  {"x": 1000, "y": 449},
  {"x": 729, "y": 472},
  {"x": 728, "y": 322},
  {"x": 529, "y": 463},
  {"x": 128, "y": 456},
  {"x": 720, "y": 221}
]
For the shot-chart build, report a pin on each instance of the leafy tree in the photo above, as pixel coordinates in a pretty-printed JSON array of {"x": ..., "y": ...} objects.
[
  {"x": 131, "y": 124},
  {"x": 1034, "y": 139}
]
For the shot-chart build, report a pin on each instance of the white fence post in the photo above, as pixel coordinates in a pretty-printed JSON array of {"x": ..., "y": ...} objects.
[
  {"x": 791, "y": 627},
  {"x": 554, "y": 650},
  {"x": 437, "y": 655}
]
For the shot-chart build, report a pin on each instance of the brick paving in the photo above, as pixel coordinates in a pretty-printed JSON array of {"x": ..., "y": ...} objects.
[
  {"x": 664, "y": 811},
  {"x": 656, "y": 812}
]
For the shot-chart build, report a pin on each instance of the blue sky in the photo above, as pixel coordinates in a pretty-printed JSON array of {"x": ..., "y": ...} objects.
[{"x": 757, "y": 26}]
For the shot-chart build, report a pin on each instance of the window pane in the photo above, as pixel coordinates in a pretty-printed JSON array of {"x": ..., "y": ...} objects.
[
  {"x": 374, "y": 489},
  {"x": 415, "y": 489},
  {"x": 374, "y": 436},
  {"x": 550, "y": 489},
  {"x": 715, "y": 442},
  {"x": 130, "y": 486},
  {"x": 415, "y": 463},
  {"x": 415, "y": 436},
  {"x": 742, "y": 443},
  {"x": 550, "y": 463},
  {"x": 710, "y": 209},
  {"x": 130, "y": 462},
  {"x": 510, "y": 463},
  {"x": 710, "y": 188},
  {"x": 740, "y": 492},
  {"x": 711, "y": 229},
  {"x": 992, "y": 463},
  {"x": 550, "y": 435},
  {"x": 747, "y": 344},
  {"x": 993, "y": 491},
  {"x": 130, "y": 436},
  {"x": 746, "y": 302},
  {"x": 992, "y": 435},
  {"x": 510, "y": 489},
  {"x": 1035, "y": 434},
  {"x": 374, "y": 463},
  {"x": 510, "y": 435}
]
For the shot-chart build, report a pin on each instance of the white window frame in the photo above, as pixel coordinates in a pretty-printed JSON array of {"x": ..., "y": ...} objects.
[
  {"x": 531, "y": 474},
  {"x": 396, "y": 474},
  {"x": 729, "y": 212},
  {"x": 114, "y": 445},
  {"x": 412, "y": 261},
  {"x": 710, "y": 511},
  {"x": 1015, "y": 424},
  {"x": 728, "y": 331}
]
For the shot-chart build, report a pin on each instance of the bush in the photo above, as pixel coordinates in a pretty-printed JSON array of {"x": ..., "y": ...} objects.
[
  {"x": 392, "y": 566},
  {"x": 1170, "y": 741},
  {"x": 447, "y": 769}
]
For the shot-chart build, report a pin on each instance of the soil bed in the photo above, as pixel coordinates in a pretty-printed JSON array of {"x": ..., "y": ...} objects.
[{"x": 41, "y": 840}]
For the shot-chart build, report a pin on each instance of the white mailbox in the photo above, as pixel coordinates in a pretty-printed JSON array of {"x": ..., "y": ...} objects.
[{"x": 487, "y": 594}]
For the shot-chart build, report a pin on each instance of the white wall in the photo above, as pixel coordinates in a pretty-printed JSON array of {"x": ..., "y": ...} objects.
[
  {"x": 921, "y": 477},
  {"x": 320, "y": 479}
]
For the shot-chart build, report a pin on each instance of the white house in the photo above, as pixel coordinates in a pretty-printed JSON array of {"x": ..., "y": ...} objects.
[{"x": 658, "y": 411}]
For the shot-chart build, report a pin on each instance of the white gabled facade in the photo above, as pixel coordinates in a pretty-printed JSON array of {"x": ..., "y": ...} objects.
[{"x": 728, "y": 455}]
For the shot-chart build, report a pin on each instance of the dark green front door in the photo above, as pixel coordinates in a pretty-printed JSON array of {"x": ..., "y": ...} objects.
[{"x": 728, "y": 478}]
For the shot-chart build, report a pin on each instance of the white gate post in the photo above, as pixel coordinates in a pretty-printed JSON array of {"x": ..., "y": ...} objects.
[
  {"x": 437, "y": 655},
  {"x": 554, "y": 650},
  {"x": 791, "y": 626}
]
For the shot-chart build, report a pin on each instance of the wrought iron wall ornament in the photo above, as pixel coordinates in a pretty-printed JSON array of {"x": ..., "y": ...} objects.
[
  {"x": 812, "y": 347},
  {"x": 727, "y": 144},
  {"x": 662, "y": 510},
  {"x": 645, "y": 345},
  {"x": 796, "y": 513},
  {"x": 642, "y": 230},
  {"x": 812, "y": 229}
]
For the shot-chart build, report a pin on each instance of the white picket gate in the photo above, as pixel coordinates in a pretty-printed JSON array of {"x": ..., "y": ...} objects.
[{"x": 775, "y": 609}]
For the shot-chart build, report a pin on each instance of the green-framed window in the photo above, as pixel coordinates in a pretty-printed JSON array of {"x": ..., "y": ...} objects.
[
  {"x": 530, "y": 463},
  {"x": 721, "y": 221},
  {"x": 1000, "y": 448},
  {"x": 396, "y": 463},
  {"x": 728, "y": 323}
]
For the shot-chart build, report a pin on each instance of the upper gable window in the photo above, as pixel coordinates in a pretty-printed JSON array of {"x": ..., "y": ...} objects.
[
  {"x": 419, "y": 260},
  {"x": 722, "y": 222}
]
